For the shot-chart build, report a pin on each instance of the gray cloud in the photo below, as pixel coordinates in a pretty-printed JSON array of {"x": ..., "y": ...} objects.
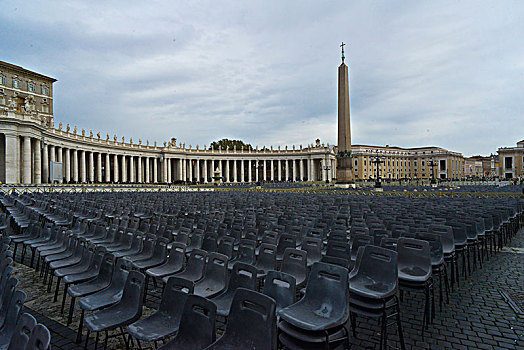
[{"x": 444, "y": 73}]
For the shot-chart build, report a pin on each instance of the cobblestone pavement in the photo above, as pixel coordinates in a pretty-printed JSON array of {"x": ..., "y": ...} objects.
[{"x": 476, "y": 317}]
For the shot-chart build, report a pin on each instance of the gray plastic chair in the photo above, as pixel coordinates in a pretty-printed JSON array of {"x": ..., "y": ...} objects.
[
  {"x": 164, "y": 322},
  {"x": 101, "y": 281},
  {"x": 215, "y": 276},
  {"x": 294, "y": 263},
  {"x": 194, "y": 268},
  {"x": 40, "y": 338},
  {"x": 106, "y": 297},
  {"x": 7, "y": 295},
  {"x": 174, "y": 263},
  {"x": 242, "y": 276},
  {"x": 123, "y": 313},
  {"x": 245, "y": 254},
  {"x": 251, "y": 323},
  {"x": 313, "y": 247},
  {"x": 281, "y": 287},
  {"x": 267, "y": 259},
  {"x": 20, "y": 337},
  {"x": 12, "y": 312},
  {"x": 197, "y": 325},
  {"x": 373, "y": 286}
]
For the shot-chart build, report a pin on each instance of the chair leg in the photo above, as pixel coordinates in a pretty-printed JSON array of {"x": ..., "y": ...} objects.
[
  {"x": 385, "y": 329},
  {"x": 446, "y": 283},
  {"x": 80, "y": 325},
  {"x": 64, "y": 299},
  {"x": 96, "y": 340},
  {"x": 353, "y": 318},
  {"x": 440, "y": 289},
  {"x": 105, "y": 340},
  {"x": 87, "y": 338},
  {"x": 56, "y": 289},
  {"x": 399, "y": 327},
  {"x": 71, "y": 310}
]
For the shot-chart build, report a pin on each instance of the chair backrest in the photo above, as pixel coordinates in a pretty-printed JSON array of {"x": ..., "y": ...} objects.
[
  {"x": 7, "y": 294},
  {"x": 196, "y": 261},
  {"x": 133, "y": 294},
  {"x": 242, "y": 276},
  {"x": 389, "y": 243},
  {"x": 313, "y": 247},
  {"x": 359, "y": 240},
  {"x": 226, "y": 246},
  {"x": 246, "y": 251},
  {"x": 413, "y": 253},
  {"x": 285, "y": 241},
  {"x": 281, "y": 287},
  {"x": 251, "y": 323},
  {"x": 216, "y": 267},
  {"x": 338, "y": 249},
  {"x": 23, "y": 329},
  {"x": 210, "y": 243},
  {"x": 13, "y": 311},
  {"x": 197, "y": 324},
  {"x": 294, "y": 262},
  {"x": 435, "y": 245},
  {"x": 175, "y": 295},
  {"x": 177, "y": 254},
  {"x": 267, "y": 256},
  {"x": 377, "y": 264},
  {"x": 40, "y": 338},
  {"x": 7, "y": 261}
]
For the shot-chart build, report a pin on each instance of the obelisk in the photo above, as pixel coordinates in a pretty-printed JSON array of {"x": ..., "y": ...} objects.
[{"x": 344, "y": 157}]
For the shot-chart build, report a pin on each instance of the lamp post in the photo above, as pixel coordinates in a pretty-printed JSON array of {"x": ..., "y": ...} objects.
[
  {"x": 377, "y": 160},
  {"x": 327, "y": 168},
  {"x": 432, "y": 164}
]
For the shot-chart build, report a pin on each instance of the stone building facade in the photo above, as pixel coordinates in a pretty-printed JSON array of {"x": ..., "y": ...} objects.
[
  {"x": 406, "y": 163},
  {"x": 511, "y": 161}
]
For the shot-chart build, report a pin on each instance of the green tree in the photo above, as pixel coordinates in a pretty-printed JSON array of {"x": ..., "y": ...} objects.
[{"x": 230, "y": 144}]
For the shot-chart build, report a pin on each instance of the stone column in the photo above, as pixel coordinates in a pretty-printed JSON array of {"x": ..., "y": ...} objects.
[
  {"x": 264, "y": 173},
  {"x": 82, "y": 166},
  {"x": 37, "y": 166},
  {"x": 107, "y": 168},
  {"x": 146, "y": 159},
  {"x": 279, "y": 173},
  {"x": 139, "y": 169},
  {"x": 52, "y": 153},
  {"x": 99, "y": 167},
  {"x": 212, "y": 169},
  {"x": 75, "y": 166},
  {"x": 249, "y": 171},
  {"x": 287, "y": 170},
  {"x": 227, "y": 170},
  {"x": 124, "y": 169},
  {"x": 115, "y": 168},
  {"x": 294, "y": 162},
  {"x": 272, "y": 170},
  {"x": 45, "y": 164},
  {"x": 170, "y": 175},
  {"x": 180, "y": 169},
  {"x": 190, "y": 169},
  {"x": 242, "y": 175},
  {"x": 12, "y": 159},
  {"x": 26, "y": 160},
  {"x": 91, "y": 167},
  {"x": 257, "y": 168},
  {"x": 220, "y": 169},
  {"x": 197, "y": 169},
  {"x": 301, "y": 161},
  {"x": 205, "y": 171},
  {"x": 59, "y": 158},
  {"x": 183, "y": 164},
  {"x": 323, "y": 163},
  {"x": 235, "y": 178},
  {"x": 67, "y": 163},
  {"x": 132, "y": 170},
  {"x": 164, "y": 170},
  {"x": 155, "y": 170},
  {"x": 310, "y": 169}
]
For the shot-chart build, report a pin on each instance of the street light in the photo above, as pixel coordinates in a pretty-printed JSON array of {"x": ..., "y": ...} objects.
[
  {"x": 327, "y": 168},
  {"x": 377, "y": 160}
]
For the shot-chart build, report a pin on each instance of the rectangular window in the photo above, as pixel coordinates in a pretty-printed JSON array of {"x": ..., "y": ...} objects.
[
  {"x": 31, "y": 87},
  {"x": 17, "y": 84},
  {"x": 45, "y": 90},
  {"x": 423, "y": 163},
  {"x": 508, "y": 163},
  {"x": 356, "y": 162},
  {"x": 2, "y": 80},
  {"x": 45, "y": 109}
]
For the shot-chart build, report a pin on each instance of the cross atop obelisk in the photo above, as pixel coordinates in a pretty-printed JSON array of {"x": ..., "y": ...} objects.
[{"x": 342, "y": 46}]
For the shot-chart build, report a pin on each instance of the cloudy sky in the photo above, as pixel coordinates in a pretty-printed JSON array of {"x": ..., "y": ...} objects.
[{"x": 444, "y": 73}]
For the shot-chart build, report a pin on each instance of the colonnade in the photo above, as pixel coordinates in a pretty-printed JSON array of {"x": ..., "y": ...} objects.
[{"x": 28, "y": 160}]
